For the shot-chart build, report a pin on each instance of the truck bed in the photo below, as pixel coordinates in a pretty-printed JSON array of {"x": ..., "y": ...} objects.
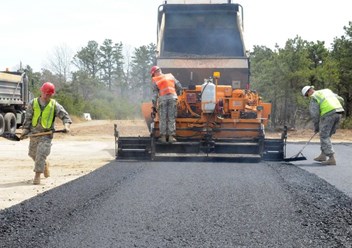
[{"x": 11, "y": 88}]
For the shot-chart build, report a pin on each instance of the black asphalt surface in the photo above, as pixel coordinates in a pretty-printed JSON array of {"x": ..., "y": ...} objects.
[
  {"x": 145, "y": 204},
  {"x": 340, "y": 175}
]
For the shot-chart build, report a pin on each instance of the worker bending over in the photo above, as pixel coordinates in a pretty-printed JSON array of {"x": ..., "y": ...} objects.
[{"x": 326, "y": 111}]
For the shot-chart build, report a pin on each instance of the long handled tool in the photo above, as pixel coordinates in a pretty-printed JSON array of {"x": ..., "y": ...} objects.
[
  {"x": 299, "y": 155},
  {"x": 14, "y": 137}
]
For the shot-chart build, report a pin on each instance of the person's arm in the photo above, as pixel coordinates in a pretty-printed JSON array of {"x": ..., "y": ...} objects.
[
  {"x": 314, "y": 110},
  {"x": 178, "y": 86},
  {"x": 155, "y": 94},
  {"x": 28, "y": 116},
  {"x": 62, "y": 114},
  {"x": 342, "y": 101},
  {"x": 27, "y": 121}
]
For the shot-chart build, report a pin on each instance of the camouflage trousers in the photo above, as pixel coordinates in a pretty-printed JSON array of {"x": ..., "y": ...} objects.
[
  {"x": 39, "y": 150},
  {"x": 327, "y": 126},
  {"x": 167, "y": 115}
]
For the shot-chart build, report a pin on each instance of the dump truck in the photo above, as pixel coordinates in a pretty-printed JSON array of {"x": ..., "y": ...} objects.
[
  {"x": 14, "y": 96},
  {"x": 219, "y": 116}
]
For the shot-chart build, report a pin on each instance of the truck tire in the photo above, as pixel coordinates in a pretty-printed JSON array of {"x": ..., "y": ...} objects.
[
  {"x": 10, "y": 122},
  {"x": 2, "y": 124}
]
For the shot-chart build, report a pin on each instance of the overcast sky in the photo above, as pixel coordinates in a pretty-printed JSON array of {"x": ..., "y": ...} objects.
[{"x": 32, "y": 30}]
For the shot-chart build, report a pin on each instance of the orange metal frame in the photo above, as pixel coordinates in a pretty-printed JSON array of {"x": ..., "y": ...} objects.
[{"x": 238, "y": 113}]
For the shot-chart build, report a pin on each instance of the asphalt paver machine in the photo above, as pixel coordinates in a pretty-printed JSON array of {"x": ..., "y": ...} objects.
[{"x": 219, "y": 117}]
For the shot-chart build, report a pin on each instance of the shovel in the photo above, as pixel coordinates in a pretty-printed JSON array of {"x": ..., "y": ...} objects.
[
  {"x": 299, "y": 156},
  {"x": 14, "y": 137}
]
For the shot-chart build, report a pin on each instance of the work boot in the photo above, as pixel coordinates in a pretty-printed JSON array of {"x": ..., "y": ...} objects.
[
  {"x": 330, "y": 161},
  {"x": 162, "y": 139},
  {"x": 46, "y": 169},
  {"x": 36, "y": 179},
  {"x": 321, "y": 157},
  {"x": 172, "y": 139}
]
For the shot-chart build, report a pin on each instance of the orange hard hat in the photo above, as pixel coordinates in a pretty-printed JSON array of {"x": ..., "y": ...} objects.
[
  {"x": 154, "y": 69},
  {"x": 48, "y": 88}
]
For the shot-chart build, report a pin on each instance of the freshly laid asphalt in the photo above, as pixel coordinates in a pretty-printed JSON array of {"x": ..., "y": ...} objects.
[
  {"x": 159, "y": 204},
  {"x": 339, "y": 176}
]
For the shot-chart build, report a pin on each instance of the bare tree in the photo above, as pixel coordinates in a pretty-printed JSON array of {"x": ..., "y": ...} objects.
[
  {"x": 59, "y": 63},
  {"x": 125, "y": 84}
]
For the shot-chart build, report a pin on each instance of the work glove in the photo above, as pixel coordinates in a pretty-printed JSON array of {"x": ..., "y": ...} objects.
[
  {"x": 24, "y": 134},
  {"x": 67, "y": 127},
  {"x": 153, "y": 113}
]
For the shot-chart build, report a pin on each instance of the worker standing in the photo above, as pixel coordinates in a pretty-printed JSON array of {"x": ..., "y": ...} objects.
[
  {"x": 326, "y": 111},
  {"x": 165, "y": 88},
  {"x": 40, "y": 117}
]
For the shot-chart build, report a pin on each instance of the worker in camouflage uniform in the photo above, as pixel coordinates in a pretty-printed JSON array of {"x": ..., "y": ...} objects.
[
  {"x": 326, "y": 111},
  {"x": 39, "y": 118},
  {"x": 165, "y": 88}
]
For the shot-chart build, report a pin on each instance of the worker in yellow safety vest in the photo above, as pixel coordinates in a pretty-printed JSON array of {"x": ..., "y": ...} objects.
[
  {"x": 326, "y": 110},
  {"x": 39, "y": 119}
]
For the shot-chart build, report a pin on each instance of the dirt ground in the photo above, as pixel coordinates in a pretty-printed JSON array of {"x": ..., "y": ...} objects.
[{"x": 88, "y": 146}]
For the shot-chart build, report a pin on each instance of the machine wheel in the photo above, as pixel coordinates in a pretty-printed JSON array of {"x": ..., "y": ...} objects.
[
  {"x": 2, "y": 124},
  {"x": 10, "y": 122}
]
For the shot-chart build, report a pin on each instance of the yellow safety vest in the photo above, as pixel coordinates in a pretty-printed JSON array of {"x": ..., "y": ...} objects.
[
  {"x": 47, "y": 115},
  {"x": 327, "y": 101}
]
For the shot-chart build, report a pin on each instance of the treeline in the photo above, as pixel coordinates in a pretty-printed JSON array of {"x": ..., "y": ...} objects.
[
  {"x": 112, "y": 85},
  {"x": 280, "y": 74},
  {"x": 106, "y": 83}
]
